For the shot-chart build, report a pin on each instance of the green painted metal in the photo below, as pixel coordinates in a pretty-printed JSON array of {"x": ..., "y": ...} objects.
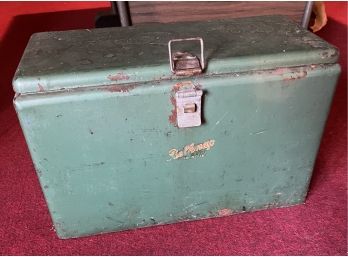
[
  {"x": 81, "y": 58},
  {"x": 104, "y": 154}
]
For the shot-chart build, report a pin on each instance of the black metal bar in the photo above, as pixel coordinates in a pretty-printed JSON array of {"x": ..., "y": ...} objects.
[
  {"x": 114, "y": 7},
  {"x": 307, "y": 14},
  {"x": 110, "y": 18},
  {"x": 122, "y": 7}
]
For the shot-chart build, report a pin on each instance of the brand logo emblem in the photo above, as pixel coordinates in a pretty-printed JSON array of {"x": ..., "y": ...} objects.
[{"x": 192, "y": 150}]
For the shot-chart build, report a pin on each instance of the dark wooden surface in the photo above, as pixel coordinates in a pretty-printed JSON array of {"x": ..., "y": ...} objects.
[{"x": 152, "y": 11}]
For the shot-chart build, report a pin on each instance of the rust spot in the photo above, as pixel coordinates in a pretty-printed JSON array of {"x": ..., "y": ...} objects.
[
  {"x": 41, "y": 88},
  {"x": 172, "y": 116},
  {"x": 120, "y": 88},
  {"x": 163, "y": 77},
  {"x": 179, "y": 85},
  {"x": 186, "y": 64},
  {"x": 119, "y": 76},
  {"x": 288, "y": 74},
  {"x": 280, "y": 71},
  {"x": 225, "y": 212},
  {"x": 188, "y": 72}
]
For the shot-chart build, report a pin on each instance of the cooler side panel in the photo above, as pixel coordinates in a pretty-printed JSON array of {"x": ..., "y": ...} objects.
[{"x": 102, "y": 155}]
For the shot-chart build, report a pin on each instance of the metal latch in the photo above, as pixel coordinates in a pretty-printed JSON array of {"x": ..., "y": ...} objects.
[
  {"x": 184, "y": 63},
  {"x": 188, "y": 106}
]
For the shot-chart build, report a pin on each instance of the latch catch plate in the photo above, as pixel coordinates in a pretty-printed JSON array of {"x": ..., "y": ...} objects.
[{"x": 188, "y": 106}]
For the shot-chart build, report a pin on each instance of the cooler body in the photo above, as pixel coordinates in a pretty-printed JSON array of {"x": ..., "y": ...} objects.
[{"x": 112, "y": 157}]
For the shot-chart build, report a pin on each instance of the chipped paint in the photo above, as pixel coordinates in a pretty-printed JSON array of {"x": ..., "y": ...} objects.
[
  {"x": 173, "y": 115},
  {"x": 120, "y": 88},
  {"x": 287, "y": 74},
  {"x": 314, "y": 42},
  {"x": 296, "y": 75},
  {"x": 224, "y": 212},
  {"x": 118, "y": 77},
  {"x": 180, "y": 85},
  {"x": 279, "y": 71},
  {"x": 41, "y": 88},
  {"x": 329, "y": 54},
  {"x": 228, "y": 188}
]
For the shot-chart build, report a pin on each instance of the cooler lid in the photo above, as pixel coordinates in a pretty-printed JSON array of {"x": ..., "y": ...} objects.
[{"x": 63, "y": 60}]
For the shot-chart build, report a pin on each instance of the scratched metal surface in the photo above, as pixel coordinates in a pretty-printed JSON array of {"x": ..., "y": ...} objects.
[
  {"x": 102, "y": 155},
  {"x": 69, "y": 59},
  {"x": 101, "y": 146}
]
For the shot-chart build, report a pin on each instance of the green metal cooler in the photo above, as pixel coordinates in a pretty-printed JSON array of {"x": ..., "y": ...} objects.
[{"x": 161, "y": 123}]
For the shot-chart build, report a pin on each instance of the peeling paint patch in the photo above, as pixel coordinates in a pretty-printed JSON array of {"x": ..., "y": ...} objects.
[
  {"x": 296, "y": 75},
  {"x": 173, "y": 115},
  {"x": 224, "y": 212},
  {"x": 163, "y": 77},
  {"x": 288, "y": 74},
  {"x": 179, "y": 85},
  {"x": 118, "y": 77},
  {"x": 280, "y": 71},
  {"x": 316, "y": 43},
  {"x": 41, "y": 88},
  {"x": 120, "y": 88},
  {"x": 329, "y": 54}
]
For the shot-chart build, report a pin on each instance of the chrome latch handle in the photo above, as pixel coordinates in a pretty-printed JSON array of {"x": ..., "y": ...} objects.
[{"x": 184, "y": 63}]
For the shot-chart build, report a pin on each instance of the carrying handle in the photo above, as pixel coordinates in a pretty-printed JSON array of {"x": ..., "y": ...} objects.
[{"x": 185, "y": 39}]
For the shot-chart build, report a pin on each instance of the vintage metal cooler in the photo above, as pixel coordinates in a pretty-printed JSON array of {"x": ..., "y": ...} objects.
[{"x": 161, "y": 123}]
